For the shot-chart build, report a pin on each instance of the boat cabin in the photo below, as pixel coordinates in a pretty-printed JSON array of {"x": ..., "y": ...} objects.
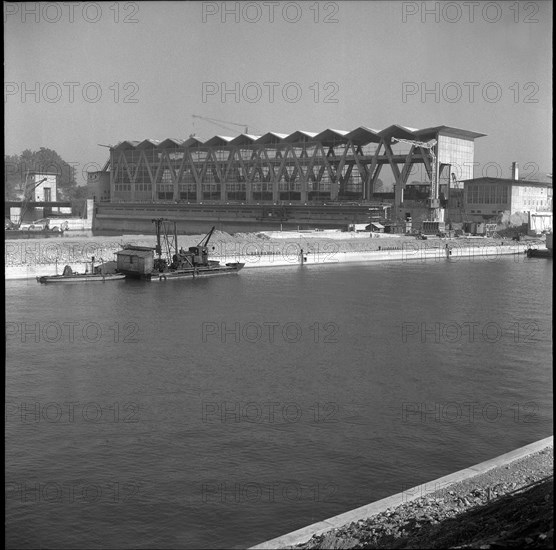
[
  {"x": 200, "y": 255},
  {"x": 135, "y": 261}
]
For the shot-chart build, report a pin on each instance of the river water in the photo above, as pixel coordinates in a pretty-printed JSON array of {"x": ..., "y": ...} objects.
[{"x": 223, "y": 412}]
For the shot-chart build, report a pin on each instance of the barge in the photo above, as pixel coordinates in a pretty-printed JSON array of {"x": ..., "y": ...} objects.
[
  {"x": 97, "y": 275},
  {"x": 81, "y": 278},
  {"x": 139, "y": 262},
  {"x": 542, "y": 252}
]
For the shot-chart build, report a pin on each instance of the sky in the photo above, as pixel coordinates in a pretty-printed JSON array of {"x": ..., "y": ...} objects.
[{"x": 77, "y": 75}]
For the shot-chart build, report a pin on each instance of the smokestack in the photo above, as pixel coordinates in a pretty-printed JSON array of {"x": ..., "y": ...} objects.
[{"x": 515, "y": 171}]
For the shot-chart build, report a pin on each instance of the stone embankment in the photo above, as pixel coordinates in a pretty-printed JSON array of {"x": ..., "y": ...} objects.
[{"x": 509, "y": 504}]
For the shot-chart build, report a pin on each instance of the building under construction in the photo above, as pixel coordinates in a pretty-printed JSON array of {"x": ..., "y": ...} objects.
[{"x": 276, "y": 177}]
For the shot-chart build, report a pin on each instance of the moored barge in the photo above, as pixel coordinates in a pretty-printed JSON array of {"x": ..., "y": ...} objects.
[
  {"x": 139, "y": 262},
  {"x": 97, "y": 275},
  {"x": 542, "y": 252}
]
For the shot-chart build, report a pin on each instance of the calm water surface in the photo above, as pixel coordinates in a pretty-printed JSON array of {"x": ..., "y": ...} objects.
[{"x": 223, "y": 412}]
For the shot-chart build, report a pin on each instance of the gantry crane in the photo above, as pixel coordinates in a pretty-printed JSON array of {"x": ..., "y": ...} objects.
[
  {"x": 436, "y": 213},
  {"x": 221, "y": 123}
]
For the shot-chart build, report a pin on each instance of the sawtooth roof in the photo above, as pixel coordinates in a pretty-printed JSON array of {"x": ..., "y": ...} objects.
[{"x": 360, "y": 136}]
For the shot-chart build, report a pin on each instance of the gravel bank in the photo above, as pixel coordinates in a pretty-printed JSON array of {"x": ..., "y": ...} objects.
[
  {"x": 29, "y": 258},
  {"x": 509, "y": 506},
  {"x": 46, "y": 252}
]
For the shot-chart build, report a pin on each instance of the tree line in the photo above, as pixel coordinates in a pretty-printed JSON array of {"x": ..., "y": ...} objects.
[{"x": 17, "y": 167}]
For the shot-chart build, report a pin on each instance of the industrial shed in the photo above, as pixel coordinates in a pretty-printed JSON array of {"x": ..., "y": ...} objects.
[{"x": 301, "y": 167}]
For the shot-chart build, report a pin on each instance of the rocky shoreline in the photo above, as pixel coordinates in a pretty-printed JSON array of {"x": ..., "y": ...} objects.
[{"x": 509, "y": 506}]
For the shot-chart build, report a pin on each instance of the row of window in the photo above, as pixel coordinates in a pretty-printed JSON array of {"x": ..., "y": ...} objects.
[
  {"x": 123, "y": 174},
  {"x": 142, "y": 187},
  {"x": 354, "y": 183},
  {"x": 531, "y": 202},
  {"x": 211, "y": 177},
  {"x": 487, "y": 194},
  {"x": 224, "y": 154},
  {"x": 492, "y": 212},
  {"x": 531, "y": 190}
]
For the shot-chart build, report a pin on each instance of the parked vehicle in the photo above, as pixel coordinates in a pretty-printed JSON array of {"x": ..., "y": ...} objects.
[{"x": 43, "y": 224}]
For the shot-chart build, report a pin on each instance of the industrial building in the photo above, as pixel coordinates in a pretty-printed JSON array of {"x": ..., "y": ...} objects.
[
  {"x": 298, "y": 168},
  {"x": 39, "y": 199},
  {"x": 487, "y": 198},
  {"x": 306, "y": 179},
  {"x": 42, "y": 186},
  {"x": 98, "y": 184}
]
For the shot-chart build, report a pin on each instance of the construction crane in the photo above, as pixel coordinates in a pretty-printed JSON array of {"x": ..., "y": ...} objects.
[
  {"x": 436, "y": 213},
  {"x": 163, "y": 238},
  {"x": 222, "y": 123},
  {"x": 27, "y": 195},
  {"x": 195, "y": 256},
  {"x": 200, "y": 252},
  {"x": 205, "y": 240},
  {"x": 107, "y": 165}
]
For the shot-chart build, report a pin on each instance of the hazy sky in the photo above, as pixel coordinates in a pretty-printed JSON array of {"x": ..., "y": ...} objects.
[{"x": 78, "y": 75}]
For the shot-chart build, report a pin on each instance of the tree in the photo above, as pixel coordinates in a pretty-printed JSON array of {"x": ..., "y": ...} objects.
[
  {"x": 16, "y": 168},
  {"x": 80, "y": 192},
  {"x": 12, "y": 179}
]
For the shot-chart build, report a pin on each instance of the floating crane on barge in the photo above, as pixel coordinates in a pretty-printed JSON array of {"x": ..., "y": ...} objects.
[{"x": 139, "y": 261}]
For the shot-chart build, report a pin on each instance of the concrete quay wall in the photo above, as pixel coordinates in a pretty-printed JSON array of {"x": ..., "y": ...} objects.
[
  {"x": 227, "y": 217},
  {"x": 331, "y": 255},
  {"x": 291, "y": 256}
]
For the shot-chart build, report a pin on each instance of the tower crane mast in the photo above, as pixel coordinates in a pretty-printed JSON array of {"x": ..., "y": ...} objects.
[{"x": 436, "y": 213}]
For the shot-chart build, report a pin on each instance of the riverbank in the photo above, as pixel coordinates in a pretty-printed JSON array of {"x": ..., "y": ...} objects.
[
  {"x": 503, "y": 502},
  {"x": 35, "y": 257}
]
